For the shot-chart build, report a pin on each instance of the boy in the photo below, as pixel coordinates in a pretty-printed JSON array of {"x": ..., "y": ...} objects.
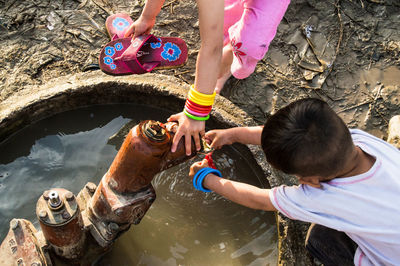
[{"x": 349, "y": 182}]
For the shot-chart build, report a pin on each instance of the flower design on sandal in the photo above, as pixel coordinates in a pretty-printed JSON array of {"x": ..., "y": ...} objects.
[
  {"x": 171, "y": 52},
  {"x": 108, "y": 60},
  {"x": 118, "y": 46},
  {"x": 120, "y": 24},
  {"x": 110, "y": 51},
  {"x": 236, "y": 51},
  {"x": 155, "y": 45}
]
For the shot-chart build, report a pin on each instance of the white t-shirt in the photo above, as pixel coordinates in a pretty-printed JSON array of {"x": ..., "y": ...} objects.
[{"x": 366, "y": 207}]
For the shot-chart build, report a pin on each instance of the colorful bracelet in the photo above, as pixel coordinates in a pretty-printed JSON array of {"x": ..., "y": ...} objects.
[
  {"x": 202, "y": 96},
  {"x": 202, "y": 111},
  {"x": 198, "y": 118},
  {"x": 200, "y": 101},
  {"x": 196, "y": 113},
  {"x": 198, "y": 108},
  {"x": 198, "y": 105},
  {"x": 200, "y": 175}
]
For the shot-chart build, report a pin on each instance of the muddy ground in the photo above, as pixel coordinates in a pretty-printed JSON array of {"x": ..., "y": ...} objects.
[{"x": 345, "y": 52}]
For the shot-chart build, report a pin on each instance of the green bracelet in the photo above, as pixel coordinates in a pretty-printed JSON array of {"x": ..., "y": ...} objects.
[{"x": 198, "y": 118}]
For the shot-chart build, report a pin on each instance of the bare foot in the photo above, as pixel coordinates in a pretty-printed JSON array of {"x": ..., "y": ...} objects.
[
  {"x": 225, "y": 68},
  {"x": 221, "y": 82}
]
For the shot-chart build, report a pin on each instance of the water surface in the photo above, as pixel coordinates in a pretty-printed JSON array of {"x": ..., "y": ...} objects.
[{"x": 182, "y": 227}]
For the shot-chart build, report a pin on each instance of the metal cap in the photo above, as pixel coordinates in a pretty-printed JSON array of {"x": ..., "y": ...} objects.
[
  {"x": 54, "y": 199},
  {"x": 154, "y": 131}
]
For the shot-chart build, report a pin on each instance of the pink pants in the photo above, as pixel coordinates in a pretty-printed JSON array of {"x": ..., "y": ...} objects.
[{"x": 250, "y": 26}]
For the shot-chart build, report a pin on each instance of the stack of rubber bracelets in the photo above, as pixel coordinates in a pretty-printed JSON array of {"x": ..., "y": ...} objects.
[
  {"x": 202, "y": 173},
  {"x": 198, "y": 105}
]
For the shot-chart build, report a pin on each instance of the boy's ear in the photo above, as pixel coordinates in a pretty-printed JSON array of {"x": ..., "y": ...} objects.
[{"x": 313, "y": 181}]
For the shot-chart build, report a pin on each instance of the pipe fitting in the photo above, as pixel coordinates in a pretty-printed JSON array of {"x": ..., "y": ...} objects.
[
  {"x": 61, "y": 222},
  {"x": 54, "y": 200}
]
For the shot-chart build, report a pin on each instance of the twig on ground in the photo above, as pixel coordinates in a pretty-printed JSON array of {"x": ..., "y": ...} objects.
[
  {"x": 169, "y": 3},
  {"x": 84, "y": 2},
  {"x": 101, "y": 7},
  {"x": 374, "y": 98},
  {"x": 330, "y": 67},
  {"x": 340, "y": 29},
  {"x": 354, "y": 106},
  {"x": 181, "y": 73},
  {"x": 8, "y": 7}
]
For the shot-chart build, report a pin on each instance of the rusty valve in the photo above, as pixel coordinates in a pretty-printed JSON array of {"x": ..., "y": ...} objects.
[
  {"x": 61, "y": 222},
  {"x": 154, "y": 131}
]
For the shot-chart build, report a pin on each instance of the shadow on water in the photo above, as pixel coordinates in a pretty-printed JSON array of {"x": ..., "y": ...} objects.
[{"x": 183, "y": 226}]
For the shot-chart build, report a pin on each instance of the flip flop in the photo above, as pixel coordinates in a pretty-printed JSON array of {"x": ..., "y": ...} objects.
[
  {"x": 117, "y": 25},
  {"x": 143, "y": 54}
]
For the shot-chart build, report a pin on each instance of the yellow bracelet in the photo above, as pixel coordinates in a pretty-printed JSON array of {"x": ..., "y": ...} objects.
[
  {"x": 202, "y": 96},
  {"x": 200, "y": 101}
]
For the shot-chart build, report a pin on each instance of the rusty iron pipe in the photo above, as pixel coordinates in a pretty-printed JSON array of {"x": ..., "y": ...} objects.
[
  {"x": 144, "y": 153},
  {"x": 121, "y": 199},
  {"x": 125, "y": 192}
]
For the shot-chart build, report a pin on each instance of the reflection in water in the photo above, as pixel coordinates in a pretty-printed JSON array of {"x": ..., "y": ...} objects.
[{"x": 183, "y": 226}]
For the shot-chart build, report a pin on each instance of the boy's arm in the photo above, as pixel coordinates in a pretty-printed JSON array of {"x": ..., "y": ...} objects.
[
  {"x": 245, "y": 135},
  {"x": 248, "y": 135},
  {"x": 241, "y": 193}
]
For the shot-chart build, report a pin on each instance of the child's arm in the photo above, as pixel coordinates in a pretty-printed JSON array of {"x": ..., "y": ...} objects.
[
  {"x": 145, "y": 22},
  {"x": 211, "y": 22},
  {"x": 241, "y": 193},
  {"x": 245, "y": 135}
]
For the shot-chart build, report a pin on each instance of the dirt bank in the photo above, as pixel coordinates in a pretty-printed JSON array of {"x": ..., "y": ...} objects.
[{"x": 345, "y": 52}]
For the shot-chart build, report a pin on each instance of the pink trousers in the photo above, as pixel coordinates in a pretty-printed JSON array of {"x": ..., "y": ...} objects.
[{"x": 250, "y": 26}]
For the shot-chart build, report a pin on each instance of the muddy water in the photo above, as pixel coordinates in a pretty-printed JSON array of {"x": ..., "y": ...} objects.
[{"x": 183, "y": 226}]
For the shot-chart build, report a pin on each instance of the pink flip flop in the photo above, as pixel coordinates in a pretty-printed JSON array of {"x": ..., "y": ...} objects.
[
  {"x": 143, "y": 54},
  {"x": 117, "y": 25}
]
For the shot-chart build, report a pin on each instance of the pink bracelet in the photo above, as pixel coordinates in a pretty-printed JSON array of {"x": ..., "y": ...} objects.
[{"x": 195, "y": 113}]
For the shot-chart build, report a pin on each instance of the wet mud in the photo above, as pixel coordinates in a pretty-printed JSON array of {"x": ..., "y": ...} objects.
[{"x": 345, "y": 52}]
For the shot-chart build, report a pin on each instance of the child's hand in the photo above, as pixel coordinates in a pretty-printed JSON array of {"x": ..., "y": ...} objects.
[
  {"x": 196, "y": 167},
  {"x": 188, "y": 128},
  {"x": 139, "y": 27},
  {"x": 219, "y": 137}
]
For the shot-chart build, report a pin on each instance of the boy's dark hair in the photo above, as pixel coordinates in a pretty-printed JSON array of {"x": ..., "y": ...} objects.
[{"x": 306, "y": 138}]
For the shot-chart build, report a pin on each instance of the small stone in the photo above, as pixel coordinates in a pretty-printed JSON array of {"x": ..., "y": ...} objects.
[{"x": 394, "y": 131}]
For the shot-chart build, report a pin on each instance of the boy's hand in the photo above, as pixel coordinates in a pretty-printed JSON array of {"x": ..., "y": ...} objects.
[
  {"x": 219, "y": 137},
  {"x": 188, "y": 128},
  {"x": 139, "y": 27},
  {"x": 196, "y": 167}
]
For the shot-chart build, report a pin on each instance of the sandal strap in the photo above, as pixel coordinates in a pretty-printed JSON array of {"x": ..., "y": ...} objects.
[{"x": 132, "y": 54}]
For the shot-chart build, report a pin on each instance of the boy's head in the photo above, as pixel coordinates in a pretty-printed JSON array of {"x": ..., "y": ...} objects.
[{"x": 307, "y": 138}]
